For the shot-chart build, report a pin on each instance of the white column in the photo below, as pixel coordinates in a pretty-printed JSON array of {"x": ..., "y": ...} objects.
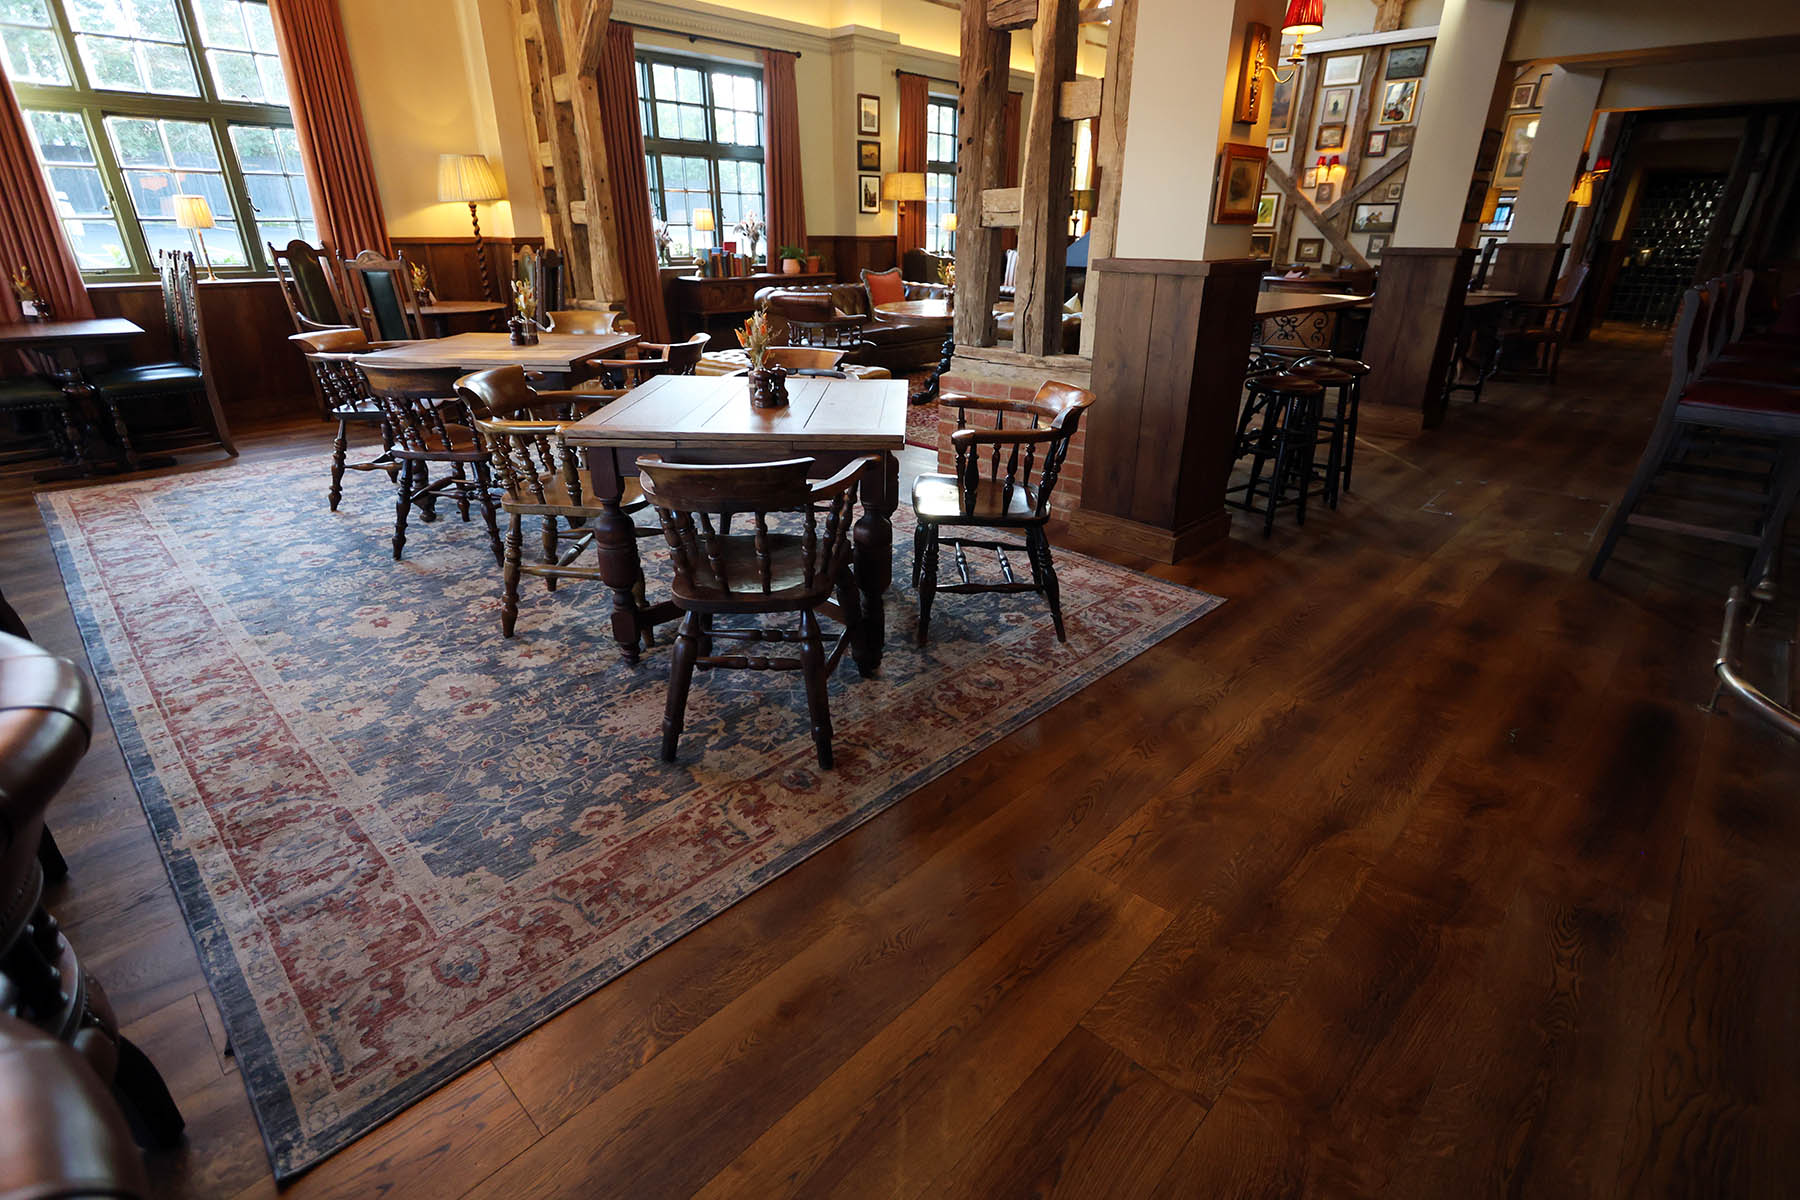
[
  {"x": 1465, "y": 65},
  {"x": 1568, "y": 110},
  {"x": 1186, "y": 60}
]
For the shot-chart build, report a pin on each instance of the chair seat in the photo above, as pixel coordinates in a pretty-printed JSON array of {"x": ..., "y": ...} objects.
[
  {"x": 1349, "y": 366},
  {"x": 151, "y": 378},
  {"x": 1742, "y": 397},
  {"x": 29, "y": 393},
  {"x": 461, "y": 448},
  {"x": 936, "y": 500},
  {"x": 1764, "y": 374},
  {"x": 742, "y": 590},
  {"x": 362, "y": 410}
]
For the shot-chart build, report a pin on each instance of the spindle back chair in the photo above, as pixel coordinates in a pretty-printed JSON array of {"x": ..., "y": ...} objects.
[
  {"x": 792, "y": 564},
  {"x": 429, "y": 425},
  {"x": 332, "y": 355}
]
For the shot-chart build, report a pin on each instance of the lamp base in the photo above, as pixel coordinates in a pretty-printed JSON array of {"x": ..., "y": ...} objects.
[{"x": 487, "y": 286}]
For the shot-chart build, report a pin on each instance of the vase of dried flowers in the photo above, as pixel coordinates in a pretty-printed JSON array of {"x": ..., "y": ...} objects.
[
  {"x": 32, "y": 306},
  {"x": 523, "y": 323},
  {"x": 768, "y": 385}
]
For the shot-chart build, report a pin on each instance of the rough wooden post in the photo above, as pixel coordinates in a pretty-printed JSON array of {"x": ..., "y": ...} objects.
[
  {"x": 1109, "y": 152},
  {"x": 1045, "y": 181},
  {"x": 981, "y": 122},
  {"x": 585, "y": 37}
]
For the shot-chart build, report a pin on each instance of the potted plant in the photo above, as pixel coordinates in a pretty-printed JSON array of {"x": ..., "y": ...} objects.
[
  {"x": 815, "y": 263},
  {"x": 768, "y": 385},
  {"x": 793, "y": 259}
]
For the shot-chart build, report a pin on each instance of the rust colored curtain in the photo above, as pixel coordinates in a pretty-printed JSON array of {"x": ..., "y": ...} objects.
[
  {"x": 30, "y": 235},
  {"x": 329, "y": 122},
  {"x": 1009, "y": 160},
  {"x": 787, "y": 200},
  {"x": 630, "y": 183},
  {"x": 911, "y": 157}
]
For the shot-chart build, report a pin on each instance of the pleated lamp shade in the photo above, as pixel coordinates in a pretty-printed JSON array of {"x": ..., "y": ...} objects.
[
  {"x": 1304, "y": 16},
  {"x": 903, "y": 185},
  {"x": 192, "y": 212},
  {"x": 468, "y": 178}
]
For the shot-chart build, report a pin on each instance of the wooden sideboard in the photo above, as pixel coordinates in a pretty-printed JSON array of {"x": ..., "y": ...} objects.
[{"x": 709, "y": 305}]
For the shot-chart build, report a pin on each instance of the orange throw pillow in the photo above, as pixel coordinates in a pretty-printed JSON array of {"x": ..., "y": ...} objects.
[{"x": 885, "y": 287}]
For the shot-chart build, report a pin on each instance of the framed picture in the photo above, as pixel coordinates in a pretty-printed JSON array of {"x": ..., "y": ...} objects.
[
  {"x": 1324, "y": 192},
  {"x": 1515, "y": 148},
  {"x": 1377, "y": 147},
  {"x": 1489, "y": 153},
  {"x": 1397, "y": 101},
  {"x": 1310, "y": 179},
  {"x": 1240, "y": 183},
  {"x": 1524, "y": 95},
  {"x": 1278, "y": 145},
  {"x": 1281, "y": 103},
  {"x": 1336, "y": 108},
  {"x": 1476, "y": 200},
  {"x": 868, "y": 193},
  {"x": 1251, "y": 86},
  {"x": 868, "y": 114},
  {"x": 1395, "y": 190},
  {"x": 1401, "y": 138},
  {"x": 1268, "y": 207},
  {"x": 1262, "y": 245},
  {"x": 1309, "y": 250},
  {"x": 1331, "y": 137},
  {"x": 1374, "y": 218},
  {"x": 1377, "y": 243},
  {"x": 1407, "y": 62},
  {"x": 1345, "y": 68},
  {"x": 868, "y": 156}
]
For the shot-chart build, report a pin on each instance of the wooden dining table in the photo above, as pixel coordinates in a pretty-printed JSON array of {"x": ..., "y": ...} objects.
[
  {"x": 709, "y": 419},
  {"x": 440, "y": 312},
  {"x": 560, "y": 354},
  {"x": 65, "y": 343}
]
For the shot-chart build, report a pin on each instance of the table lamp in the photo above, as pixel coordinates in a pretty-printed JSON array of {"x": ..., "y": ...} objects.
[
  {"x": 469, "y": 179},
  {"x": 703, "y": 221},
  {"x": 193, "y": 213}
]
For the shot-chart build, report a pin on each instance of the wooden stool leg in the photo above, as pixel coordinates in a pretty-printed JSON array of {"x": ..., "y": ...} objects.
[
  {"x": 812, "y": 670},
  {"x": 1039, "y": 544},
  {"x": 927, "y": 579},
  {"x": 1655, "y": 454},
  {"x": 485, "y": 495},
  {"x": 681, "y": 675},
  {"x": 1355, "y": 394}
]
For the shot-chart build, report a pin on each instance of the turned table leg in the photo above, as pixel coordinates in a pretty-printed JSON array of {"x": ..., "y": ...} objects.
[{"x": 873, "y": 554}]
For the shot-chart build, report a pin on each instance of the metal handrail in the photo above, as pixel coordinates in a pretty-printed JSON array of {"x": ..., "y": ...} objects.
[{"x": 1782, "y": 718}]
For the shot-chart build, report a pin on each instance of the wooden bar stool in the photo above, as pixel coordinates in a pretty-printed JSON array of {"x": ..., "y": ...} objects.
[
  {"x": 1333, "y": 422},
  {"x": 1349, "y": 405},
  {"x": 1289, "y": 406}
]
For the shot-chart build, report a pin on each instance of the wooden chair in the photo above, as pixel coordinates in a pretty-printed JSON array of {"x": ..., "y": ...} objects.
[
  {"x": 583, "y": 320},
  {"x": 1537, "y": 329},
  {"x": 810, "y": 319},
  {"x": 649, "y": 359},
  {"x": 538, "y": 475},
  {"x": 769, "y": 570},
  {"x": 543, "y": 268},
  {"x": 381, "y": 291},
  {"x": 313, "y": 297},
  {"x": 425, "y": 431},
  {"x": 332, "y": 355},
  {"x": 1003, "y": 496},
  {"x": 188, "y": 376},
  {"x": 44, "y": 402},
  {"x": 808, "y": 360},
  {"x": 1741, "y": 418}
]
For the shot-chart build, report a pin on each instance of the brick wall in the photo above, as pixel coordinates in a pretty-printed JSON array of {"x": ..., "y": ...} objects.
[{"x": 1011, "y": 383}]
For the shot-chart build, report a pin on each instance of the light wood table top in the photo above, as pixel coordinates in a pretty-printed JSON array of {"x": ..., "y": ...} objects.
[
  {"x": 1286, "y": 304},
  {"x": 713, "y": 412},
  {"x": 915, "y": 309},
  {"x": 47, "y": 333},
  {"x": 459, "y": 308},
  {"x": 554, "y": 352}
]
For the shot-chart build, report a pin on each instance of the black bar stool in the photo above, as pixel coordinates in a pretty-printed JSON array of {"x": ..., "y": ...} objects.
[
  {"x": 1343, "y": 418},
  {"x": 1289, "y": 406}
]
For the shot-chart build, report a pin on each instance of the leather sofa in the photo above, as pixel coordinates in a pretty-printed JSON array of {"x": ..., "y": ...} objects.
[
  {"x": 903, "y": 347},
  {"x": 64, "y": 1136}
]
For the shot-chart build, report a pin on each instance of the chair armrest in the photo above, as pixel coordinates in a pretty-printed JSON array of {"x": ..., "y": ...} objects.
[
  {"x": 580, "y": 403},
  {"x": 848, "y": 475},
  {"x": 509, "y": 425},
  {"x": 981, "y": 403},
  {"x": 1002, "y": 437}
]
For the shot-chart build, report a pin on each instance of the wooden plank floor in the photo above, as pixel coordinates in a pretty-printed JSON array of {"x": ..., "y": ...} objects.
[{"x": 1417, "y": 869}]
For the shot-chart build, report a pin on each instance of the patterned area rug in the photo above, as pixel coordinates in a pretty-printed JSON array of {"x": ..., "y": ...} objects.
[
  {"x": 401, "y": 841},
  {"x": 922, "y": 426}
]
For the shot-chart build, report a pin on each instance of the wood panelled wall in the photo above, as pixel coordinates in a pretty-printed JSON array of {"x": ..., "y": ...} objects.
[
  {"x": 455, "y": 270},
  {"x": 848, "y": 254}
]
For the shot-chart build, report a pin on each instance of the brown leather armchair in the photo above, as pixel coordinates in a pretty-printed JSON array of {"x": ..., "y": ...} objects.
[
  {"x": 64, "y": 1136},
  {"x": 900, "y": 346},
  {"x": 46, "y": 716}
]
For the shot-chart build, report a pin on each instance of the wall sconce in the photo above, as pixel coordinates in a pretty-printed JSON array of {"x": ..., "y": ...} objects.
[
  {"x": 1582, "y": 194},
  {"x": 1331, "y": 170},
  {"x": 1303, "y": 17}
]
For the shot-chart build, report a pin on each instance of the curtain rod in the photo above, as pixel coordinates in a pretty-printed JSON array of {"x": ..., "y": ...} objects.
[
  {"x": 933, "y": 78},
  {"x": 701, "y": 37}
]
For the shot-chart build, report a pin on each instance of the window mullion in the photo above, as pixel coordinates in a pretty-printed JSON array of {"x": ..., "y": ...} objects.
[
  {"x": 118, "y": 198},
  {"x": 239, "y": 190}
]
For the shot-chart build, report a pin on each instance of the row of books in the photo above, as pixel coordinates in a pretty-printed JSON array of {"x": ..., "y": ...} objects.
[{"x": 724, "y": 264}]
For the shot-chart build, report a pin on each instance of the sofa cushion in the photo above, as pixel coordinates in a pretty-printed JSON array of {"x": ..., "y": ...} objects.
[{"x": 885, "y": 287}]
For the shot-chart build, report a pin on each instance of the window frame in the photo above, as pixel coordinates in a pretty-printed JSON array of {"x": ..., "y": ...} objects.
[
  {"x": 93, "y": 105},
  {"x": 937, "y": 241},
  {"x": 711, "y": 149}
]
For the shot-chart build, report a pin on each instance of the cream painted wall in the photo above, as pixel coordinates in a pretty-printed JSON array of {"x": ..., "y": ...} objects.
[
  {"x": 1569, "y": 29},
  {"x": 468, "y": 102}
]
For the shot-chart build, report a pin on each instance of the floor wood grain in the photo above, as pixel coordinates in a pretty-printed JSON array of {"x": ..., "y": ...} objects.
[{"x": 1417, "y": 869}]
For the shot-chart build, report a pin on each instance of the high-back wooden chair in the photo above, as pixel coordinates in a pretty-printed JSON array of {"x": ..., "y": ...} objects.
[
  {"x": 1537, "y": 330},
  {"x": 1735, "y": 409},
  {"x": 583, "y": 320},
  {"x": 1004, "y": 479},
  {"x": 332, "y": 355},
  {"x": 648, "y": 359},
  {"x": 312, "y": 294},
  {"x": 429, "y": 426},
  {"x": 188, "y": 375},
  {"x": 544, "y": 270},
  {"x": 773, "y": 568},
  {"x": 538, "y": 475},
  {"x": 381, "y": 290}
]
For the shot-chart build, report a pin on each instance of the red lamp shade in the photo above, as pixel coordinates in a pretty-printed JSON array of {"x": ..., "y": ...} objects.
[{"x": 1304, "y": 16}]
